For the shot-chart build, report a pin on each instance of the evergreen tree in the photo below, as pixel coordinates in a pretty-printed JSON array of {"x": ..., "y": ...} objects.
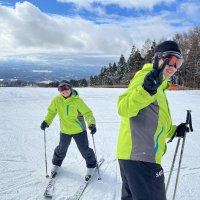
[
  {"x": 189, "y": 74},
  {"x": 131, "y": 60},
  {"x": 121, "y": 69},
  {"x": 147, "y": 51}
]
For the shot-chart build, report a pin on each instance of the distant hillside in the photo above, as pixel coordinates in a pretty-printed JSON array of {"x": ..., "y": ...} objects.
[{"x": 38, "y": 74}]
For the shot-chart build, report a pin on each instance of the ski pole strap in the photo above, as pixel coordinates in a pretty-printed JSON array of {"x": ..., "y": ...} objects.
[{"x": 171, "y": 139}]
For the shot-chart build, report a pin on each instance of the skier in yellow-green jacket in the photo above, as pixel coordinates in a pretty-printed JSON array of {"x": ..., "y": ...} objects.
[
  {"x": 73, "y": 113},
  {"x": 145, "y": 125}
]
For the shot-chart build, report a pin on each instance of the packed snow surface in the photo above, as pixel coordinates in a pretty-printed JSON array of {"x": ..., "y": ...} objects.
[{"x": 22, "y": 161}]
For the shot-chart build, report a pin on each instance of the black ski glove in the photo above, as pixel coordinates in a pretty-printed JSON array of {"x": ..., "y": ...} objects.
[
  {"x": 181, "y": 130},
  {"x": 93, "y": 129},
  {"x": 155, "y": 77},
  {"x": 44, "y": 125}
]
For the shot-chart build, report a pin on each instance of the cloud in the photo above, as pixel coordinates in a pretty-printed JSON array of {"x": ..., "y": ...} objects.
[
  {"x": 121, "y": 3},
  {"x": 191, "y": 9},
  {"x": 25, "y": 29}
]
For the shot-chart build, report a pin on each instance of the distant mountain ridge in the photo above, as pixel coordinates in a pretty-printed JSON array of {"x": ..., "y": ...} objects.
[
  {"x": 53, "y": 67},
  {"x": 41, "y": 73}
]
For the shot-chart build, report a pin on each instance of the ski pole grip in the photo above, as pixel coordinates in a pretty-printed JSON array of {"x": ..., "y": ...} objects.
[
  {"x": 189, "y": 120},
  {"x": 188, "y": 117}
]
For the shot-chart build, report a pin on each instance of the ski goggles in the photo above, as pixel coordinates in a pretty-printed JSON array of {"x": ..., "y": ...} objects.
[
  {"x": 64, "y": 87},
  {"x": 175, "y": 59}
]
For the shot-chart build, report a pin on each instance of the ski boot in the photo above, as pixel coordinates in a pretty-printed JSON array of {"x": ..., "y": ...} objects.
[
  {"x": 89, "y": 173},
  {"x": 54, "y": 169}
]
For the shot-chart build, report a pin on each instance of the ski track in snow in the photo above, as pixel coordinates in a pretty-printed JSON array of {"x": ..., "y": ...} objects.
[{"x": 22, "y": 166}]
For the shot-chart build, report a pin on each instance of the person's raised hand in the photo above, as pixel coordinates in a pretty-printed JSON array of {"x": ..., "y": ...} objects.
[{"x": 155, "y": 77}]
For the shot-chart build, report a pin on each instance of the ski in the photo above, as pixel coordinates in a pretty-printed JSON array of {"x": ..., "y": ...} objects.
[
  {"x": 50, "y": 187},
  {"x": 83, "y": 186}
]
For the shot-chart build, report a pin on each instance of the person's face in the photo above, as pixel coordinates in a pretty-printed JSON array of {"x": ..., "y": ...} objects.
[
  {"x": 168, "y": 71},
  {"x": 64, "y": 90},
  {"x": 66, "y": 93}
]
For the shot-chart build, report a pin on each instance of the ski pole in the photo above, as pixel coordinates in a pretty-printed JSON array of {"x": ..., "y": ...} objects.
[
  {"x": 172, "y": 166},
  {"x": 45, "y": 154},
  {"x": 96, "y": 157},
  {"x": 189, "y": 124},
  {"x": 179, "y": 166}
]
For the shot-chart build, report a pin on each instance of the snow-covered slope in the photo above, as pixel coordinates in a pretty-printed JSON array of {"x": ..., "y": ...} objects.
[{"x": 22, "y": 165}]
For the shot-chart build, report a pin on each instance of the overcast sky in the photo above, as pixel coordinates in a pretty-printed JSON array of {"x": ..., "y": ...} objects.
[{"x": 105, "y": 28}]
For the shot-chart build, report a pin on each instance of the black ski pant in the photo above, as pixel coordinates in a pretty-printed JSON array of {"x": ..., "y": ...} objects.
[
  {"x": 142, "y": 180},
  {"x": 82, "y": 143}
]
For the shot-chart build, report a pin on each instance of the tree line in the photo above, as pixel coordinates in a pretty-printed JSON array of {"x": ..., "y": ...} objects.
[{"x": 122, "y": 72}]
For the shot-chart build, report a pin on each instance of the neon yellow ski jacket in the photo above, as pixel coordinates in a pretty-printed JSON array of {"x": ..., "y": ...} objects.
[
  {"x": 146, "y": 121},
  {"x": 72, "y": 112}
]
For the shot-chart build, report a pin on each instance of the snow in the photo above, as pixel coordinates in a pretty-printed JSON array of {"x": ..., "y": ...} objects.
[{"x": 22, "y": 163}]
